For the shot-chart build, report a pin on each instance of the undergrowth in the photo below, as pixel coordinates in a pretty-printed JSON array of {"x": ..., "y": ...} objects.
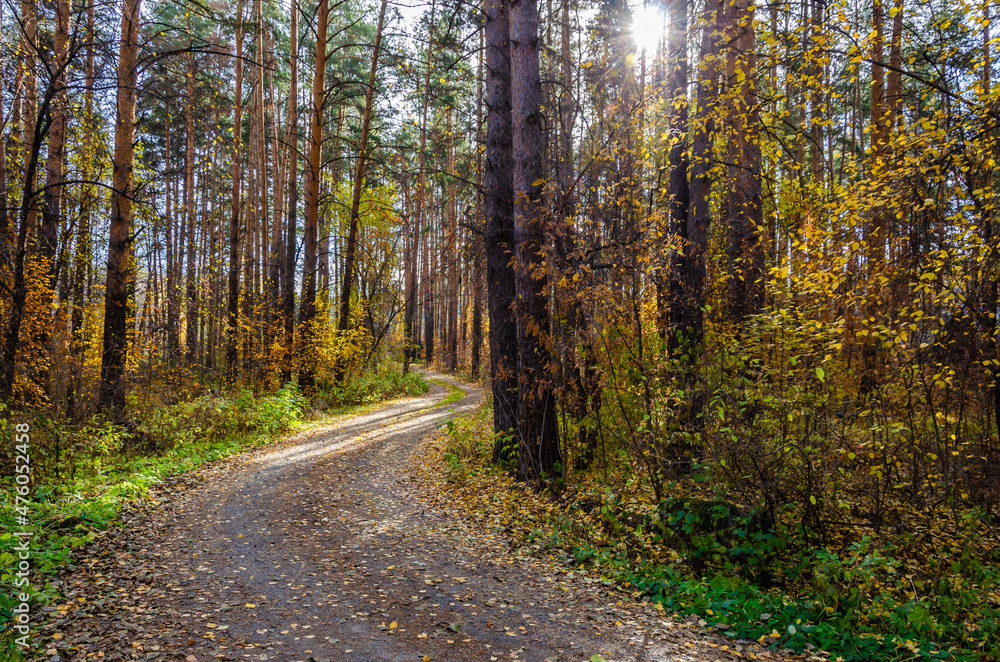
[
  {"x": 374, "y": 387},
  {"x": 926, "y": 588}
]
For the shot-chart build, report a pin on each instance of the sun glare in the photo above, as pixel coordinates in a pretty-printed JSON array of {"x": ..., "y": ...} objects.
[{"x": 647, "y": 26}]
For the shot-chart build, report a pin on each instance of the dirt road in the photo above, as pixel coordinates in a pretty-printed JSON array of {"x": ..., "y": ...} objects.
[{"x": 321, "y": 549}]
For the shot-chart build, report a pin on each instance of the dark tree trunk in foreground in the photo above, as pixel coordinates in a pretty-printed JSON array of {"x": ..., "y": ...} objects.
[
  {"x": 114, "y": 354},
  {"x": 679, "y": 320},
  {"x": 539, "y": 455},
  {"x": 498, "y": 183}
]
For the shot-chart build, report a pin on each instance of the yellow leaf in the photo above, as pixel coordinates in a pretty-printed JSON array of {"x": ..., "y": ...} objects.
[
  {"x": 393, "y": 625},
  {"x": 250, "y": 605}
]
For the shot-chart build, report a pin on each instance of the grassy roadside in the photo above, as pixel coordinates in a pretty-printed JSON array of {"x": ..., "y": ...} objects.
[
  {"x": 858, "y": 602},
  {"x": 454, "y": 393},
  {"x": 102, "y": 472}
]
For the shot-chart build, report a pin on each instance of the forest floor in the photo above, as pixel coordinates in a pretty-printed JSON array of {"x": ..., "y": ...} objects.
[{"x": 325, "y": 547}]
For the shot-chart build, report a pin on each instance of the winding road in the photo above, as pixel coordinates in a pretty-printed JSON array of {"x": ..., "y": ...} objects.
[{"x": 323, "y": 549}]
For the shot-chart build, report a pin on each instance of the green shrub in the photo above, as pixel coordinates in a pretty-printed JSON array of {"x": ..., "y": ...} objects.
[{"x": 375, "y": 387}]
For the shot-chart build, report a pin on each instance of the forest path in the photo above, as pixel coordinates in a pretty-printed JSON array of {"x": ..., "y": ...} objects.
[{"x": 320, "y": 549}]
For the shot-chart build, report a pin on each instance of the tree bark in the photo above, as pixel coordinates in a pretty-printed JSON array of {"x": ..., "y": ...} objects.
[
  {"x": 115, "y": 350},
  {"x": 539, "y": 455},
  {"x": 498, "y": 183},
  {"x": 452, "y": 248},
  {"x": 191, "y": 319},
  {"x": 34, "y": 132},
  {"x": 233, "y": 304},
  {"x": 816, "y": 96},
  {"x": 477, "y": 262},
  {"x": 55, "y": 165},
  {"x": 82, "y": 250},
  {"x": 307, "y": 313},
  {"x": 745, "y": 248},
  {"x": 699, "y": 211},
  {"x": 678, "y": 320},
  {"x": 291, "y": 223}
]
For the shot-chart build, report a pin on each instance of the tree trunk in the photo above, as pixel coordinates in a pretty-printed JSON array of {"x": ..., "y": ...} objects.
[
  {"x": 452, "y": 247},
  {"x": 191, "y": 319},
  {"x": 745, "y": 248},
  {"x": 816, "y": 97},
  {"x": 307, "y": 313},
  {"x": 677, "y": 321},
  {"x": 539, "y": 454},
  {"x": 115, "y": 350},
  {"x": 498, "y": 182},
  {"x": 5, "y": 238},
  {"x": 359, "y": 175},
  {"x": 291, "y": 223},
  {"x": 82, "y": 253},
  {"x": 477, "y": 262},
  {"x": 233, "y": 303},
  {"x": 33, "y": 132},
  {"x": 54, "y": 167},
  {"x": 276, "y": 256},
  {"x": 699, "y": 211},
  {"x": 429, "y": 293}
]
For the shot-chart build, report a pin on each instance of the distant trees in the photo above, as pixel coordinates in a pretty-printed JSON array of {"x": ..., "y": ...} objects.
[{"x": 644, "y": 223}]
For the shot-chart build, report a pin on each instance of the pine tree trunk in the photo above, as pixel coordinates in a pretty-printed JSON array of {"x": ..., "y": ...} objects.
[
  {"x": 233, "y": 302},
  {"x": 452, "y": 247},
  {"x": 191, "y": 319},
  {"x": 677, "y": 320},
  {"x": 498, "y": 182},
  {"x": 291, "y": 223},
  {"x": 745, "y": 248},
  {"x": 32, "y": 134},
  {"x": 55, "y": 165},
  {"x": 539, "y": 455},
  {"x": 115, "y": 350},
  {"x": 307, "y": 314},
  {"x": 699, "y": 211},
  {"x": 82, "y": 254},
  {"x": 477, "y": 262},
  {"x": 359, "y": 176},
  {"x": 431, "y": 293}
]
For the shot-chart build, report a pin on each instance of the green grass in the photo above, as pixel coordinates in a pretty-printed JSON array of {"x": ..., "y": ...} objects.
[{"x": 454, "y": 393}]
